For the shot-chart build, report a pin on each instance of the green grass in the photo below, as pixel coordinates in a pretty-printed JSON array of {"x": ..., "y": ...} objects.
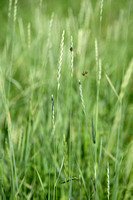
[{"x": 61, "y": 138}]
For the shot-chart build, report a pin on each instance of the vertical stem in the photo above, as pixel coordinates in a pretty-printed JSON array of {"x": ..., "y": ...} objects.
[
  {"x": 97, "y": 138},
  {"x": 115, "y": 191}
]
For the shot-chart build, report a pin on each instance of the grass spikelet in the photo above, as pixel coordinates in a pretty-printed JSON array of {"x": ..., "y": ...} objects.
[
  {"x": 126, "y": 79},
  {"x": 101, "y": 11},
  {"x": 81, "y": 96},
  {"x": 108, "y": 184},
  {"x": 9, "y": 8},
  {"x": 29, "y": 35},
  {"x": 15, "y": 10},
  {"x": 71, "y": 57},
  {"x": 60, "y": 59}
]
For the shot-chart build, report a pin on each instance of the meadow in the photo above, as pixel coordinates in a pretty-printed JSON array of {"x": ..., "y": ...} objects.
[{"x": 66, "y": 90}]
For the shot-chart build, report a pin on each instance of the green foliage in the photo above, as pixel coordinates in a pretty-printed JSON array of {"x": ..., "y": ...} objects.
[{"x": 60, "y": 139}]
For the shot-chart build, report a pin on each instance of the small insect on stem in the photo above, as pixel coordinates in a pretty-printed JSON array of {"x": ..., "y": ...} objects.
[
  {"x": 71, "y": 48},
  {"x": 84, "y": 73}
]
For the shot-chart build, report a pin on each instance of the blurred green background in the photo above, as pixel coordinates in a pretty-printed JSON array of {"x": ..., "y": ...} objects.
[{"x": 30, "y": 49}]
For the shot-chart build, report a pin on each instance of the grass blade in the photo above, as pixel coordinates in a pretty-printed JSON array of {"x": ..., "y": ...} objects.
[{"x": 113, "y": 88}]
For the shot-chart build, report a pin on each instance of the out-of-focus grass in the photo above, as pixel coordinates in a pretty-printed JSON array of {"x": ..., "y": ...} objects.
[{"x": 36, "y": 157}]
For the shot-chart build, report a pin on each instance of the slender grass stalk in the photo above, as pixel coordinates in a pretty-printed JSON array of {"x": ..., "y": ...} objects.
[
  {"x": 58, "y": 87},
  {"x": 98, "y": 78},
  {"x": 66, "y": 164},
  {"x": 72, "y": 57},
  {"x": 116, "y": 184},
  {"x": 71, "y": 110},
  {"x": 53, "y": 114},
  {"x": 93, "y": 132},
  {"x": 97, "y": 134},
  {"x": 71, "y": 87},
  {"x": 29, "y": 124}
]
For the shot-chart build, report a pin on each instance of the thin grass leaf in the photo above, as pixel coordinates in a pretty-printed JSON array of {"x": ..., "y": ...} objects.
[
  {"x": 113, "y": 88},
  {"x": 39, "y": 177}
]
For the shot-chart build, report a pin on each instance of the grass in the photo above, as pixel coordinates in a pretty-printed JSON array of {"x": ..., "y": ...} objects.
[{"x": 61, "y": 138}]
